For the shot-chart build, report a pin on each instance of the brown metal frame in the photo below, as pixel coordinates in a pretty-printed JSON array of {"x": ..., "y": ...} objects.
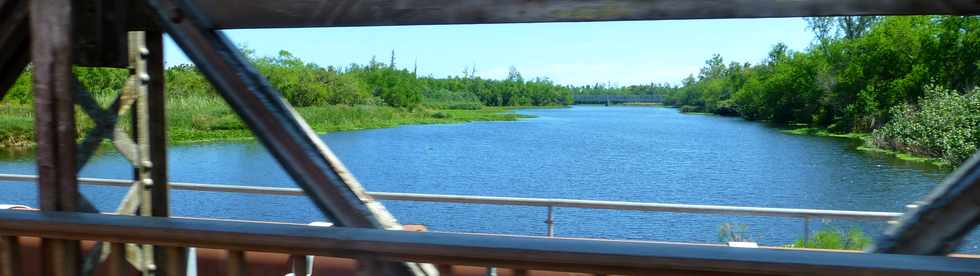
[
  {"x": 58, "y": 29},
  {"x": 13, "y": 41},
  {"x": 532, "y": 253}
]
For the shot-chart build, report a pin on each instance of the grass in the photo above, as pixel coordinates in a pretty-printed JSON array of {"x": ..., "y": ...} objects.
[
  {"x": 905, "y": 156},
  {"x": 816, "y": 131},
  {"x": 16, "y": 126},
  {"x": 198, "y": 119}
]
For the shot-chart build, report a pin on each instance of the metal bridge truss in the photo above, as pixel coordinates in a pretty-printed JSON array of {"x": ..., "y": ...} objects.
[{"x": 55, "y": 35}]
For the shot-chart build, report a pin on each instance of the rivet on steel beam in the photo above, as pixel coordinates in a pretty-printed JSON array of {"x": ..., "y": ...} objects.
[
  {"x": 144, "y": 52},
  {"x": 147, "y": 181},
  {"x": 146, "y": 164},
  {"x": 145, "y": 78}
]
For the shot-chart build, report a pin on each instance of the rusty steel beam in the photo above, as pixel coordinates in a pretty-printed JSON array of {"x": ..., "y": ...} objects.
[
  {"x": 535, "y": 253},
  {"x": 11, "y": 69},
  {"x": 170, "y": 261},
  {"x": 14, "y": 42},
  {"x": 938, "y": 225},
  {"x": 99, "y": 29},
  {"x": 10, "y": 256},
  {"x": 237, "y": 14},
  {"x": 54, "y": 125},
  {"x": 235, "y": 263},
  {"x": 290, "y": 140},
  {"x": 117, "y": 259},
  {"x": 300, "y": 152}
]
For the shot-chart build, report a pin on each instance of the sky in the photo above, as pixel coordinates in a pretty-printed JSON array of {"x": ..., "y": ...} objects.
[{"x": 617, "y": 53}]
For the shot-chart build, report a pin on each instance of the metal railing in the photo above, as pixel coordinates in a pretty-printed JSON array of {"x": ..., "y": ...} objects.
[
  {"x": 549, "y": 203},
  {"x": 528, "y": 253}
]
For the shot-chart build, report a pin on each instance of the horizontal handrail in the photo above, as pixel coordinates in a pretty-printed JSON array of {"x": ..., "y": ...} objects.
[
  {"x": 518, "y": 201},
  {"x": 591, "y": 256}
]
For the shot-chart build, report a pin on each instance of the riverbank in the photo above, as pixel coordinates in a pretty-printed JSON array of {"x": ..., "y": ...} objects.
[
  {"x": 867, "y": 145},
  {"x": 206, "y": 120},
  {"x": 865, "y": 140}
]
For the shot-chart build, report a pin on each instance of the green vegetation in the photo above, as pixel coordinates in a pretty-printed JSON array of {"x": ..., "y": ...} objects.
[
  {"x": 906, "y": 79},
  {"x": 836, "y": 238},
  {"x": 944, "y": 124},
  {"x": 361, "y": 96},
  {"x": 828, "y": 238}
]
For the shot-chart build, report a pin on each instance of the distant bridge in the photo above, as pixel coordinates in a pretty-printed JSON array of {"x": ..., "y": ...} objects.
[{"x": 616, "y": 99}]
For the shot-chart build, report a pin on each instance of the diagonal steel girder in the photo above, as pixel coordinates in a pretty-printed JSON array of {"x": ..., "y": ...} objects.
[
  {"x": 945, "y": 217},
  {"x": 321, "y": 175},
  {"x": 14, "y": 42},
  {"x": 290, "y": 140}
]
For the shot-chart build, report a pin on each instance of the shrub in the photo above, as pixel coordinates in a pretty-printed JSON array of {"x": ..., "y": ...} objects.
[
  {"x": 440, "y": 115},
  {"x": 945, "y": 124},
  {"x": 690, "y": 108},
  {"x": 836, "y": 238}
]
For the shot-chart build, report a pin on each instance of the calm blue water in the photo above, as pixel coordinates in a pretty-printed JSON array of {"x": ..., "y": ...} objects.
[{"x": 586, "y": 152}]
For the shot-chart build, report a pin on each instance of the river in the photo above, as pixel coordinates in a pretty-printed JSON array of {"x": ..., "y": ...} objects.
[{"x": 646, "y": 154}]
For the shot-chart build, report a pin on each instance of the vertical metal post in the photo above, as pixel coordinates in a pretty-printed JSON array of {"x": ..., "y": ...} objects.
[
  {"x": 445, "y": 269},
  {"x": 370, "y": 266},
  {"x": 236, "y": 263},
  {"x": 299, "y": 264},
  {"x": 171, "y": 259},
  {"x": 54, "y": 124},
  {"x": 138, "y": 55},
  {"x": 9, "y": 256},
  {"x": 117, "y": 259},
  {"x": 550, "y": 221},
  {"x": 806, "y": 231}
]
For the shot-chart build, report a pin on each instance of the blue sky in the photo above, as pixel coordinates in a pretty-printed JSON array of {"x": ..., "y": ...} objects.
[{"x": 621, "y": 53}]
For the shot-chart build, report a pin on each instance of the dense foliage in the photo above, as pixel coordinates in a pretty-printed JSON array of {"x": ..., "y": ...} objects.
[
  {"x": 308, "y": 84},
  {"x": 848, "y": 80},
  {"x": 859, "y": 74},
  {"x": 359, "y": 96},
  {"x": 944, "y": 124},
  {"x": 836, "y": 238}
]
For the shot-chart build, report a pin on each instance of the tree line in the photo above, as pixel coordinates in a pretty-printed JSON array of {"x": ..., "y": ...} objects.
[
  {"x": 307, "y": 84},
  {"x": 911, "y": 80}
]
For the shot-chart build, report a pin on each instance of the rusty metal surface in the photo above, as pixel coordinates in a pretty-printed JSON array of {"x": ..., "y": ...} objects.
[
  {"x": 211, "y": 262},
  {"x": 117, "y": 260},
  {"x": 14, "y": 42},
  {"x": 324, "y": 13},
  {"x": 949, "y": 213},
  {"x": 104, "y": 119},
  {"x": 89, "y": 32},
  {"x": 54, "y": 124},
  {"x": 170, "y": 261},
  {"x": 289, "y": 139},
  {"x": 100, "y": 28},
  {"x": 592, "y": 256},
  {"x": 10, "y": 256},
  {"x": 236, "y": 263},
  {"x": 271, "y": 119}
]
